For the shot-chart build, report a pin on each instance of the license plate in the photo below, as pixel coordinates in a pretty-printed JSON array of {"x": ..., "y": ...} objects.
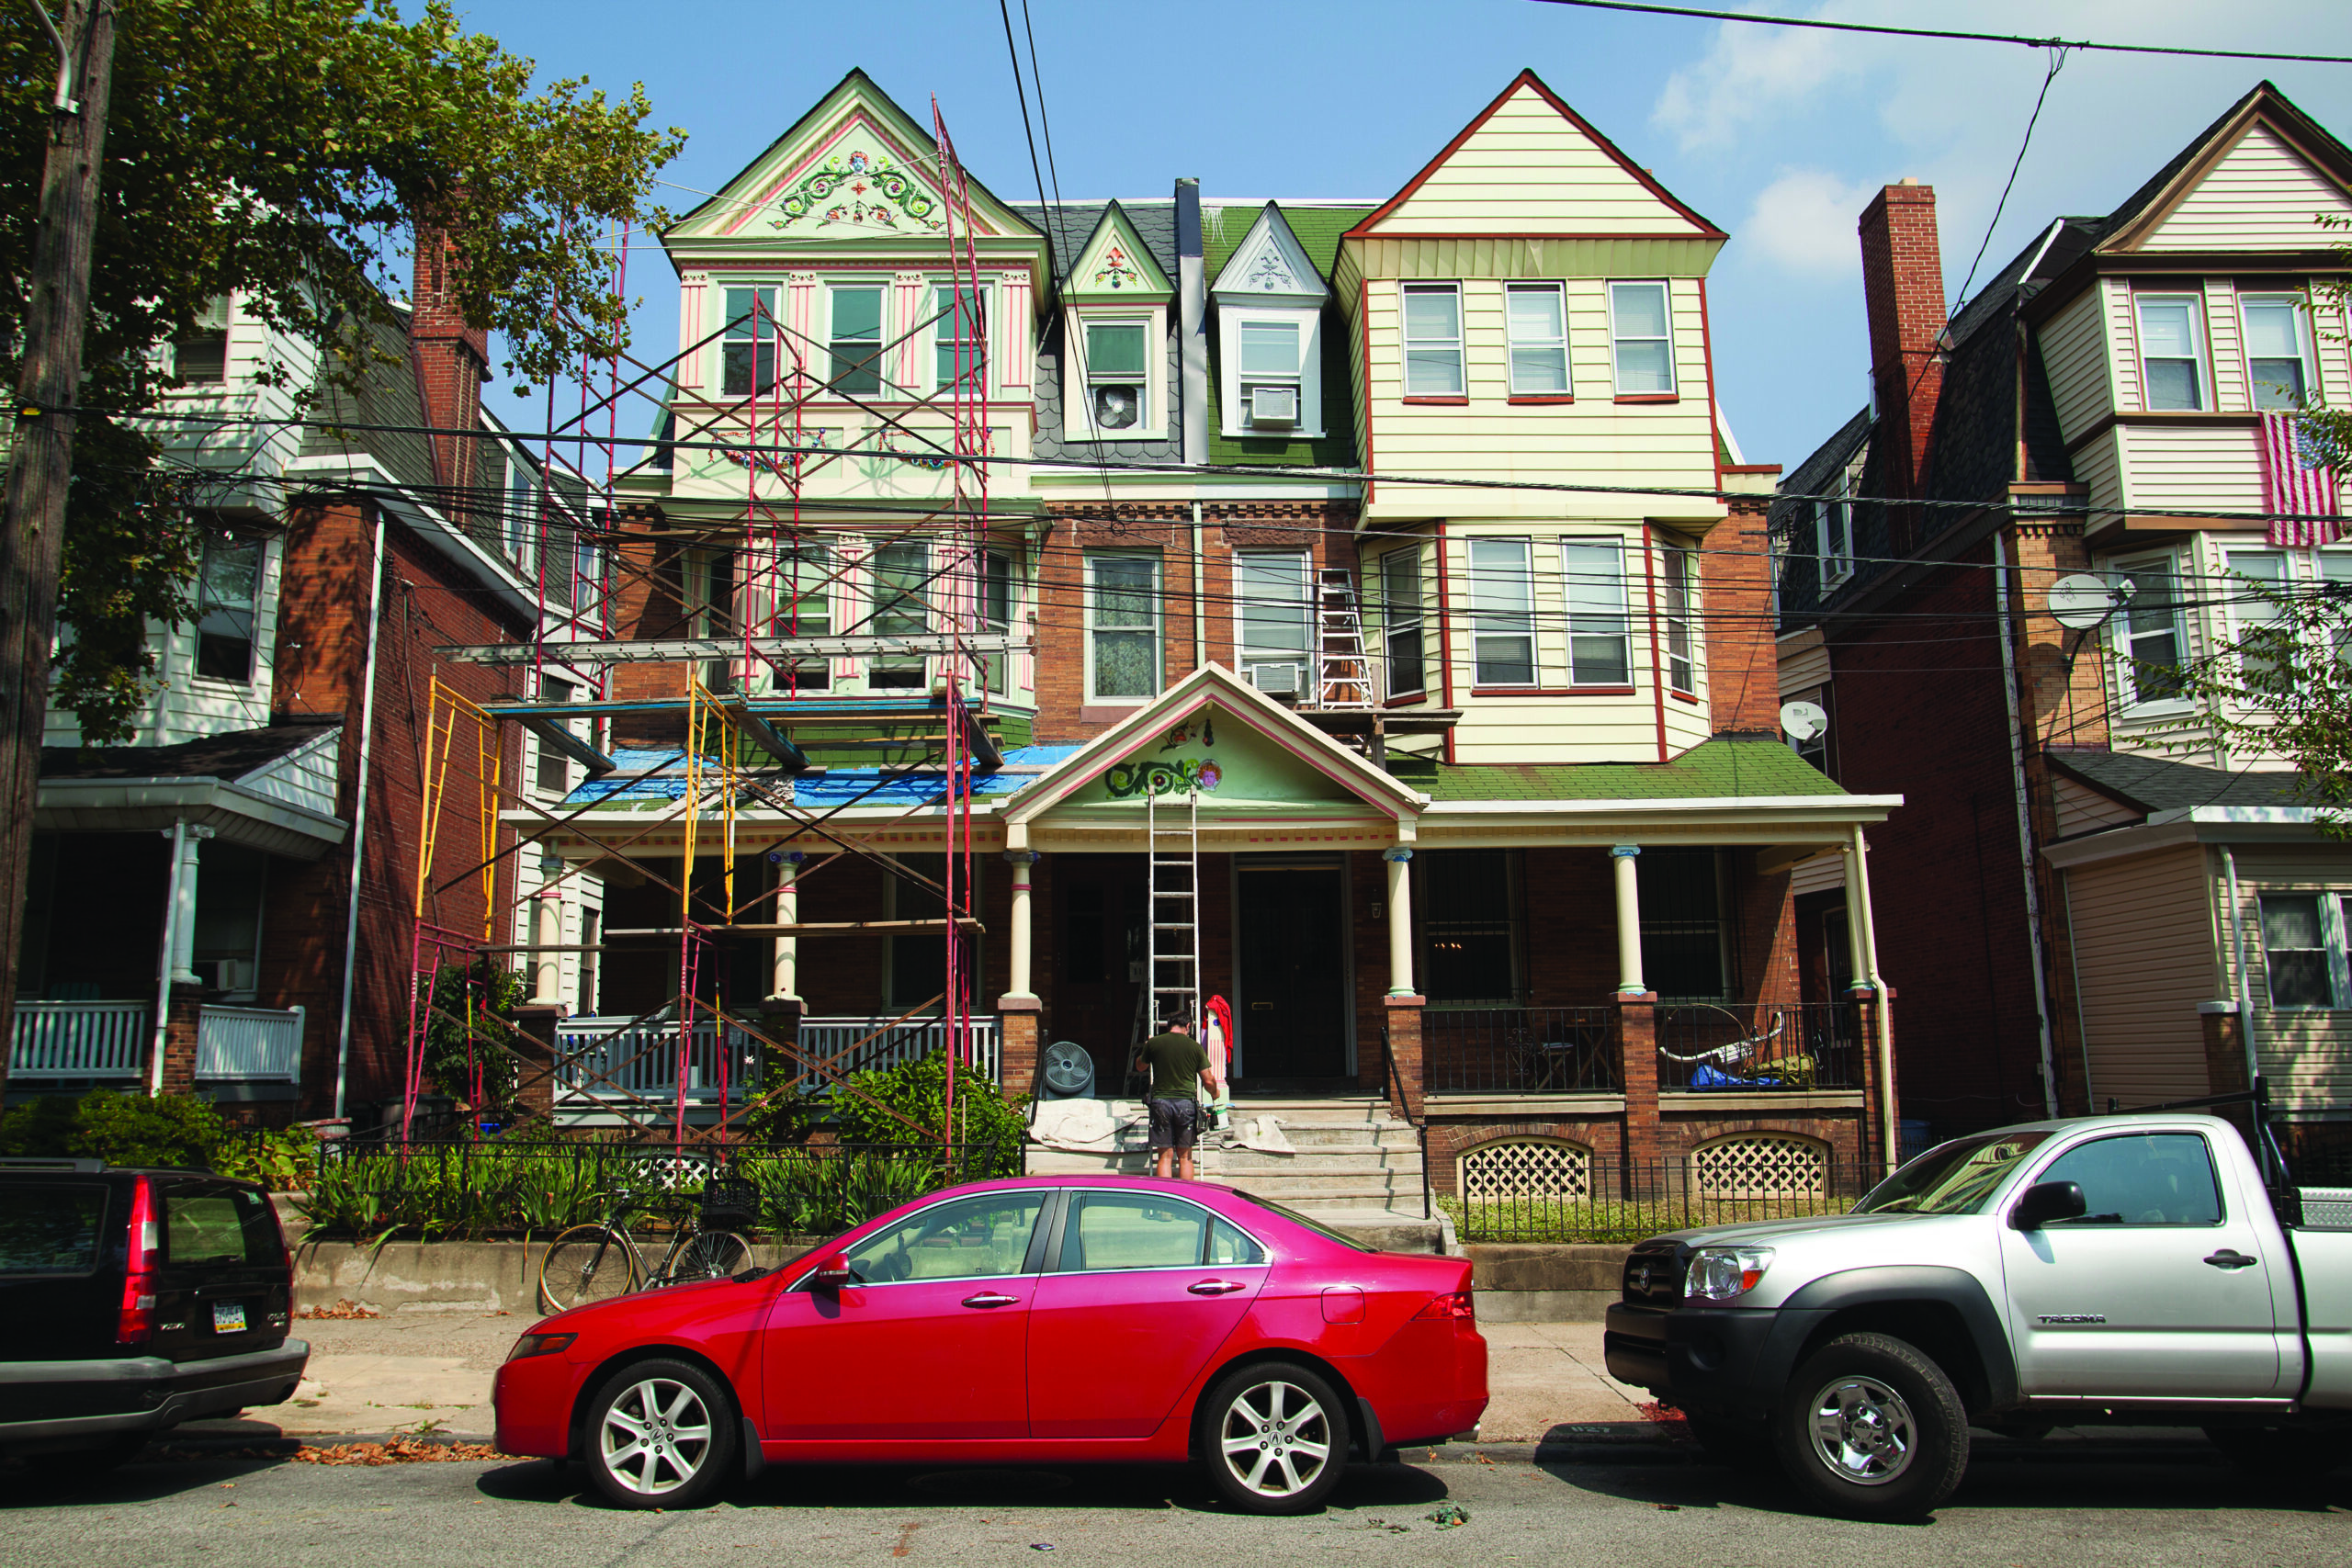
[{"x": 227, "y": 1317}]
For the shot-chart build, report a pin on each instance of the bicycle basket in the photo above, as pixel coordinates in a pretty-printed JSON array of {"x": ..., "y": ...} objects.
[{"x": 729, "y": 1204}]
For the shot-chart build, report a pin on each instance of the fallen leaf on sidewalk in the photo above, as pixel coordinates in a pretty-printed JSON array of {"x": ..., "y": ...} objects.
[
  {"x": 399, "y": 1450},
  {"x": 344, "y": 1309},
  {"x": 1452, "y": 1516}
]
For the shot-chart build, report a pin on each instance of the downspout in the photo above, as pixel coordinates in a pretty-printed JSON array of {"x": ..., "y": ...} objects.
[
  {"x": 2025, "y": 830},
  {"x": 359, "y": 817},
  {"x": 178, "y": 836},
  {"x": 1200, "y": 593},
  {"x": 2238, "y": 957},
  {"x": 1892, "y": 1154}
]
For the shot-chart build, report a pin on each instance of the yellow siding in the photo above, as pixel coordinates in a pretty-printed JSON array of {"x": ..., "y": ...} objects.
[
  {"x": 1496, "y": 255},
  {"x": 2097, "y": 464},
  {"x": 2123, "y": 341},
  {"x": 2227, "y": 355},
  {"x": 2261, "y": 195},
  {"x": 2335, "y": 372},
  {"x": 2143, "y": 934},
  {"x": 2074, "y": 351},
  {"x": 1529, "y": 161},
  {"x": 2080, "y": 810},
  {"x": 2195, "y": 467},
  {"x": 1804, "y": 662},
  {"x": 2307, "y": 1057}
]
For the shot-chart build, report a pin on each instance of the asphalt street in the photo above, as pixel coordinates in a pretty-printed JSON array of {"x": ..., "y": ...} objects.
[{"x": 2091, "y": 1503}]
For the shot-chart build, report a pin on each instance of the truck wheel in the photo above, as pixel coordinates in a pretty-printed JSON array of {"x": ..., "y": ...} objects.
[
  {"x": 1740, "y": 1445},
  {"x": 2287, "y": 1455},
  {"x": 1871, "y": 1429}
]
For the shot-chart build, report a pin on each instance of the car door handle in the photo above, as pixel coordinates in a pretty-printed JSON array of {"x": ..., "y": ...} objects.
[
  {"x": 1217, "y": 1287},
  {"x": 992, "y": 1299},
  {"x": 2225, "y": 1258}
]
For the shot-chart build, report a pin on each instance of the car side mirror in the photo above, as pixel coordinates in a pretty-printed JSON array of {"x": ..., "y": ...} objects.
[
  {"x": 2045, "y": 1201},
  {"x": 833, "y": 1271}
]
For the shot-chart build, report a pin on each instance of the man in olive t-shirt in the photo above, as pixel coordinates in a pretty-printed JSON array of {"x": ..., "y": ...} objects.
[{"x": 1176, "y": 1059}]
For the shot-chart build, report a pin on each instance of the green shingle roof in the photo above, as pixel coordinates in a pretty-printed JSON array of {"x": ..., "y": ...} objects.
[
  {"x": 1711, "y": 769},
  {"x": 1318, "y": 230}
]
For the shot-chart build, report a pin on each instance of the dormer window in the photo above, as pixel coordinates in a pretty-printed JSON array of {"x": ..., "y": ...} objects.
[
  {"x": 1114, "y": 371},
  {"x": 1118, "y": 381},
  {"x": 1270, "y": 303},
  {"x": 1270, "y": 364}
]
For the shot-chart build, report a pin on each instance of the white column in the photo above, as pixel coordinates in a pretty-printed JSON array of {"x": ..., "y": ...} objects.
[
  {"x": 1400, "y": 921},
  {"x": 1628, "y": 921},
  {"x": 1017, "y": 978},
  {"x": 785, "y": 975},
  {"x": 185, "y": 847},
  {"x": 547, "y": 930}
]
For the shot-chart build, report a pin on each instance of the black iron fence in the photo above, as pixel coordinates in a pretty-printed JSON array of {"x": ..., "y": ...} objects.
[
  {"x": 1790, "y": 1047},
  {"x": 1520, "y": 1050},
  {"x": 1537, "y": 1192}
]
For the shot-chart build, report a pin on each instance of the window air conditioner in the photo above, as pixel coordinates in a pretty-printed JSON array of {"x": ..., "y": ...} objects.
[
  {"x": 1277, "y": 680},
  {"x": 1274, "y": 405},
  {"x": 226, "y": 973},
  {"x": 1117, "y": 407}
]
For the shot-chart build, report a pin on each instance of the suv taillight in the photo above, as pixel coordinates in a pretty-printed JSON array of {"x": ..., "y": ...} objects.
[
  {"x": 136, "y": 1324},
  {"x": 1457, "y": 1306}
]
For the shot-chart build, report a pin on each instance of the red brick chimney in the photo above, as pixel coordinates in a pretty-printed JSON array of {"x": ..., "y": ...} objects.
[
  {"x": 452, "y": 357},
  {"x": 1903, "y": 287}
]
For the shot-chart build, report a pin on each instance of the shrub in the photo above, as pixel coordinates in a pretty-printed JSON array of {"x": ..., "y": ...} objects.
[
  {"x": 466, "y": 1031},
  {"x": 121, "y": 1129},
  {"x": 987, "y": 1125}
]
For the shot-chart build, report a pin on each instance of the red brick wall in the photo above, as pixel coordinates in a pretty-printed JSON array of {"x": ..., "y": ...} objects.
[
  {"x": 1742, "y": 662},
  {"x": 452, "y": 359},
  {"x": 1902, "y": 287}
]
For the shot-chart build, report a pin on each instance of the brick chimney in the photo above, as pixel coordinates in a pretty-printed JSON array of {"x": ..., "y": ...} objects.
[
  {"x": 452, "y": 357},
  {"x": 1903, "y": 287}
]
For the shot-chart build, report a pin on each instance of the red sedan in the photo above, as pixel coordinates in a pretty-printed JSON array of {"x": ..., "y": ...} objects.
[{"x": 1046, "y": 1320}]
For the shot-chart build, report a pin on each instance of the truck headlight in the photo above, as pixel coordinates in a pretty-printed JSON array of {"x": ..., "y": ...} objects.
[{"x": 1719, "y": 1273}]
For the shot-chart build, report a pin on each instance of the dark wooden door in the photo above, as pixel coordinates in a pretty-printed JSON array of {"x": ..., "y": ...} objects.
[
  {"x": 1293, "y": 1018},
  {"x": 1098, "y": 934}
]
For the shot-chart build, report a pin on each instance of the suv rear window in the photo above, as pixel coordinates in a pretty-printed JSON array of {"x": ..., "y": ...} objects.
[
  {"x": 47, "y": 1229},
  {"x": 218, "y": 1225}
]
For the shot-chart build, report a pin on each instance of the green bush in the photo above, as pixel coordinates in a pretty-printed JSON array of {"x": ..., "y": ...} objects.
[
  {"x": 121, "y": 1129},
  {"x": 470, "y": 1005},
  {"x": 987, "y": 1124}
]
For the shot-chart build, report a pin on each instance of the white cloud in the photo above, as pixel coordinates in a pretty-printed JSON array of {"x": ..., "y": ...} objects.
[{"x": 1804, "y": 222}]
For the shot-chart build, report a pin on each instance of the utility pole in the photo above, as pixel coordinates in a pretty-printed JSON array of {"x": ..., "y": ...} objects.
[{"x": 40, "y": 466}]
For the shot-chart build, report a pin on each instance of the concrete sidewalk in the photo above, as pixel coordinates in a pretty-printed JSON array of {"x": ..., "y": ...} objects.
[{"x": 420, "y": 1364}]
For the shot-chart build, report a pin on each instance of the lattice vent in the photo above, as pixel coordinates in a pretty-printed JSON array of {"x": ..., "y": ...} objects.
[
  {"x": 1762, "y": 1165},
  {"x": 1527, "y": 1167}
]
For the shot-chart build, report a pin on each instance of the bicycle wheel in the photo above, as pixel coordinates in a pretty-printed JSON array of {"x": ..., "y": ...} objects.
[
  {"x": 587, "y": 1263},
  {"x": 710, "y": 1254}
]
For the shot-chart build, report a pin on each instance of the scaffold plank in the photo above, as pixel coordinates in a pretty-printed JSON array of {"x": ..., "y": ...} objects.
[{"x": 644, "y": 650}]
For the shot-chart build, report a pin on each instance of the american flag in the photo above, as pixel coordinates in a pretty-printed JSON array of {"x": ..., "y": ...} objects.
[{"x": 2294, "y": 481}]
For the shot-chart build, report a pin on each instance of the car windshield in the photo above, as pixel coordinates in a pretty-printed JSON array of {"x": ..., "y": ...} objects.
[{"x": 1957, "y": 1177}]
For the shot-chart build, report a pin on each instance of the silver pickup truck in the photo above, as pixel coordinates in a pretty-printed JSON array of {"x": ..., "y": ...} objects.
[{"x": 2132, "y": 1268}]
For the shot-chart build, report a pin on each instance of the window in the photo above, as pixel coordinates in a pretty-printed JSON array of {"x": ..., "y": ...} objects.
[
  {"x": 1273, "y": 640},
  {"x": 591, "y": 921},
  {"x": 901, "y": 569},
  {"x": 2335, "y": 574},
  {"x": 918, "y": 960},
  {"x": 710, "y": 609},
  {"x": 520, "y": 511},
  {"x": 1118, "y": 383},
  {"x": 746, "y": 354},
  {"x": 1269, "y": 361},
  {"x": 1682, "y": 643},
  {"x": 228, "y": 593},
  {"x": 1433, "y": 340},
  {"x": 1833, "y": 538},
  {"x": 1121, "y": 628},
  {"x": 1683, "y": 928},
  {"x": 1469, "y": 925},
  {"x": 2149, "y": 631},
  {"x": 1400, "y": 620},
  {"x": 207, "y": 1224},
  {"x": 804, "y": 608},
  {"x": 2142, "y": 1179},
  {"x": 1537, "y": 320},
  {"x": 51, "y": 1228},
  {"x": 1641, "y": 340},
  {"x": 2250, "y": 609},
  {"x": 201, "y": 358},
  {"x": 553, "y": 772},
  {"x": 1599, "y": 637},
  {"x": 855, "y": 341},
  {"x": 1107, "y": 1230},
  {"x": 1502, "y": 612},
  {"x": 996, "y": 617},
  {"x": 958, "y": 344},
  {"x": 2172, "y": 355},
  {"x": 2302, "y": 948},
  {"x": 2275, "y": 362},
  {"x": 230, "y": 887},
  {"x": 982, "y": 1237}
]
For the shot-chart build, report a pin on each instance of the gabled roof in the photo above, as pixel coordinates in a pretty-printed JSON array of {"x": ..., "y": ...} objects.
[
  {"x": 1269, "y": 263},
  {"x": 234, "y": 755},
  {"x": 2158, "y": 783},
  {"x": 2265, "y": 109},
  {"x": 1117, "y": 264}
]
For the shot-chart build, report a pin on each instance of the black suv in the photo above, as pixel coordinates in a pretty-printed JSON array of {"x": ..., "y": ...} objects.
[{"x": 134, "y": 1299}]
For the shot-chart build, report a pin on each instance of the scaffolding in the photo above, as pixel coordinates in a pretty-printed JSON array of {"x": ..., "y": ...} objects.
[{"x": 750, "y": 644}]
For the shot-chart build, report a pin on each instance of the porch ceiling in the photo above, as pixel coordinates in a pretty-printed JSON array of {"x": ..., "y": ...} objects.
[{"x": 237, "y": 815}]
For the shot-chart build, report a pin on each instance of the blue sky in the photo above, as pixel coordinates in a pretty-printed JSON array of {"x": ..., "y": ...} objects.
[{"x": 1778, "y": 135}]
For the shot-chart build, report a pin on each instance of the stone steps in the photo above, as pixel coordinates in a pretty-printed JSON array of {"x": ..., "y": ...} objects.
[{"x": 1353, "y": 1158}]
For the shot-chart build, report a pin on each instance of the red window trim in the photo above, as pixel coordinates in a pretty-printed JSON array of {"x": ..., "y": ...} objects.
[
  {"x": 1649, "y": 397},
  {"x": 1541, "y": 398},
  {"x": 1552, "y": 691},
  {"x": 1444, "y": 402},
  {"x": 1407, "y": 699},
  {"x": 1690, "y": 697}
]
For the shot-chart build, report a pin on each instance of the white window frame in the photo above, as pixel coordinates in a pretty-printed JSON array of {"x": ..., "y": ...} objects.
[
  {"x": 1243, "y": 601},
  {"x": 1833, "y": 541},
  {"x": 2199, "y": 355},
  {"x": 2298, "y": 311},
  {"x": 258, "y": 613},
  {"x": 1158, "y": 630},
  {"x": 2332, "y": 565},
  {"x": 1078, "y": 378},
  {"x": 2123, "y": 637},
  {"x": 1392, "y": 626},
  {"x": 876, "y": 592},
  {"x": 1679, "y": 593},
  {"x": 1587, "y": 621},
  {"x": 1233, "y": 387},
  {"x": 2242, "y": 614},
  {"x": 2333, "y": 941},
  {"x": 810, "y": 567},
  {"x": 1618, "y": 339},
  {"x": 1491, "y": 619},
  {"x": 1558, "y": 294},
  {"x": 1408, "y": 346}
]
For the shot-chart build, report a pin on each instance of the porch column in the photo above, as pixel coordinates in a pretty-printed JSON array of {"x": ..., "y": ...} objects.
[
  {"x": 187, "y": 838},
  {"x": 784, "y": 984},
  {"x": 175, "y": 964},
  {"x": 1628, "y": 921},
  {"x": 1636, "y": 1032},
  {"x": 1400, "y": 921},
  {"x": 1020, "y": 1011},
  {"x": 1017, "y": 977}
]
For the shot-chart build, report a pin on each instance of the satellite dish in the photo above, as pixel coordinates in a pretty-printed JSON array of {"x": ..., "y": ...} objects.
[
  {"x": 2080, "y": 600},
  {"x": 1802, "y": 721}
]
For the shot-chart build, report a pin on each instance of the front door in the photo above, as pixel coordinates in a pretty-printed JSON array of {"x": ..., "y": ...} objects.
[
  {"x": 1098, "y": 958},
  {"x": 1292, "y": 973}
]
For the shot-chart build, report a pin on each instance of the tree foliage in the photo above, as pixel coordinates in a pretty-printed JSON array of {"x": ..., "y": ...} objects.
[{"x": 279, "y": 148}]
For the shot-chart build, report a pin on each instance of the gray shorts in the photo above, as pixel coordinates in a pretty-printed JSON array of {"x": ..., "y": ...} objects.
[{"x": 1175, "y": 1123}]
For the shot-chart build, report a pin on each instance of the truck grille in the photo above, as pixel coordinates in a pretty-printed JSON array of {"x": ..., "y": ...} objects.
[{"x": 1653, "y": 1275}]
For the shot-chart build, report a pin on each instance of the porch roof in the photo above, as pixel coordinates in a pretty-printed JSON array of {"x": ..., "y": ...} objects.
[
  {"x": 271, "y": 788},
  {"x": 1713, "y": 769}
]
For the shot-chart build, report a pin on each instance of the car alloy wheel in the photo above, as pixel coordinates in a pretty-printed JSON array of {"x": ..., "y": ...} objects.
[
  {"x": 1274, "y": 1439},
  {"x": 1863, "y": 1431},
  {"x": 654, "y": 1437}
]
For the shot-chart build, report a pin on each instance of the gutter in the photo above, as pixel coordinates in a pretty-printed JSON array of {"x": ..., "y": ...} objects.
[
  {"x": 359, "y": 819},
  {"x": 2009, "y": 691}
]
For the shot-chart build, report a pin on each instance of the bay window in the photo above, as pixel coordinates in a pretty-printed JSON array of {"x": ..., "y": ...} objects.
[
  {"x": 2149, "y": 635},
  {"x": 1502, "y": 612},
  {"x": 854, "y": 340},
  {"x": 2172, "y": 352},
  {"x": 1400, "y": 621},
  {"x": 2276, "y": 367},
  {"x": 901, "y": 573},
  {"x": 958, "y": 344},
  {"x": 1600, "y": 637},
  {"x": 1681, "y": 642},
  {"x": 228, "y": 595},
  {"x": 747, "y": 351}
]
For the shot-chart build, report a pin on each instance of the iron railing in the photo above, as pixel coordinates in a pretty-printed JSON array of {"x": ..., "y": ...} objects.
[
  {"x": 1565, "y": 1195},
  {"x": 249, "y": 1044},
  {"x": 1750, "y": 1046},
  {"x": 1520, "y": 1050}
]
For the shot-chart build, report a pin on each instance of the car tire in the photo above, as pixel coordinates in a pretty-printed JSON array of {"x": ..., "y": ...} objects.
[
  {"x": 661, "y": 1434},
  {"x": 2288, "y": 1455},
  {"x": 1273, "y": 1438},
  {"x": 1870, "y": 1428},
  {"x": 1739, "y": 1445}
]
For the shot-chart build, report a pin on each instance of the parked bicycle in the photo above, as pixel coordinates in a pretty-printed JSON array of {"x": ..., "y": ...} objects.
[{"x": 600, "y": 1260}]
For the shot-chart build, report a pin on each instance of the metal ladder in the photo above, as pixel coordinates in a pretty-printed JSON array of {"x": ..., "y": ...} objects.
[
  {"x": 1174, "y": 942},
  {"x": 1342, "y": 671}
]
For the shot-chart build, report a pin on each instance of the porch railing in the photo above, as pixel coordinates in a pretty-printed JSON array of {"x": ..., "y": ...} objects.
[
  {"x": 1750, "y": 1046},
  {"x": 827, "y": 1039},
  {"x": 250, "y": 1045},
  {"x": 78, "y": 1040},
  {"x": 600, "y": 1059},
  {"x": 1520, "y": 1050}
]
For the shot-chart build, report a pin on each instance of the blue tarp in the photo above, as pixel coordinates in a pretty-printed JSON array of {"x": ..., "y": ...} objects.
[{"x": 822, "y": 788}]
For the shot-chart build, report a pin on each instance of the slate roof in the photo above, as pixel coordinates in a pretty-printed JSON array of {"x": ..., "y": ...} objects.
[
  {"x": 230, "y": 756},
  {"x": 1711, "y": 769},
  {"x": 2158, "y": 783},
  {"x": 1070, "y": 225}
]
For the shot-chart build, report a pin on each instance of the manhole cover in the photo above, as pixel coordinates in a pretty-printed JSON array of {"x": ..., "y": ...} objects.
[{"x": 994, "y": 1483}]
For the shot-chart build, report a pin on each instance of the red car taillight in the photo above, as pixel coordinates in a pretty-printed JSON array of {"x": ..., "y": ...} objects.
[
  {"x": 1457, "y": 1306},
  {"x": 136, "y": 1324}
]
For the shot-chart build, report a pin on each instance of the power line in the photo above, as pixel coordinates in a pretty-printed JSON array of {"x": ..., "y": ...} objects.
[
  {"x": 1824, "y": 26},
  {"x": 2057, "y": 63}
]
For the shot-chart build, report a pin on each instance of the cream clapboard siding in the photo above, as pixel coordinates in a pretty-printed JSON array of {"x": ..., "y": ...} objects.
[
  {"x": 2333, "y": 333},
  {"x": 1523, "y": 256},
  {"x": 2225, "y": 347},
  {"x": 1804, "y": 662},
  {"x": 2261, "y": 196},
  {"x": 2307, "y": 1057},
  {"x": 2143, "y": 934},
  {"x": 2195, "y": 466},
  {"x": 2123, "y": 341},
  {"x": 2099, "y": 464},
  {"x": 1530, "y": 161},
  {"x": 2073, "y": 351},
  {"x": 1377, "y": 617},
  {"x": 1822, "y": 874},
  {"x": 2079, "y": 810},
  {"x": 305, "y": 777}
]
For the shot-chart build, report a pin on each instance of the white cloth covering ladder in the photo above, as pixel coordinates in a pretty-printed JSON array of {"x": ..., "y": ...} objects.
[{"x": 1342, "y": 671}]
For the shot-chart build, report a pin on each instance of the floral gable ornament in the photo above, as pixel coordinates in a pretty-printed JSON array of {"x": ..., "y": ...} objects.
[
  {"x": 1116, "y": 269},
  {"x": 861, "y": 188}
]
